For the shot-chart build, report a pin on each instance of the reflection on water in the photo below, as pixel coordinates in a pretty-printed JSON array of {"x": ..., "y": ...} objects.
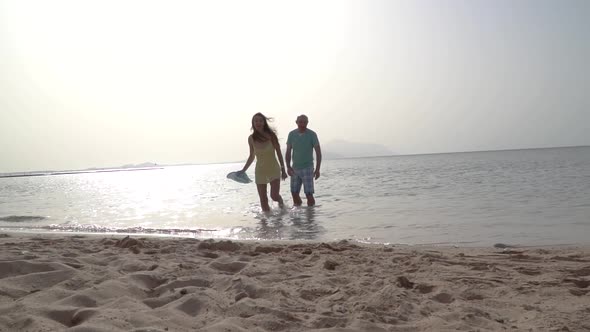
[{"x": 297, "y": 223}]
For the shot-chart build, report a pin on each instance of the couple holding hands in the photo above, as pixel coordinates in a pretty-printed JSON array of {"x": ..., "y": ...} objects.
[{"x": 265, "y": 147}]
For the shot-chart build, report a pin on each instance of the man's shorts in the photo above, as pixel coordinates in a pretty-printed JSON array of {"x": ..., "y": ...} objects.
[{"x": 302, "y": 176}]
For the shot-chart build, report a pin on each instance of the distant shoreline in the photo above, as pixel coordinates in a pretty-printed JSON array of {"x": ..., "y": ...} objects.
[
  {"x": 496, "y": 150},
  {"x": 456, "y": 152},
  {"x": 18, "y": 175}
]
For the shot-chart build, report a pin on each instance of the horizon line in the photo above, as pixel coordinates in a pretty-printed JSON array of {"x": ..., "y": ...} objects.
[{"x": 156, "y": 165}]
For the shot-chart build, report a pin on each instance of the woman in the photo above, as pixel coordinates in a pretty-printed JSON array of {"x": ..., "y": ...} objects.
[{"x": 264, "y": 144}]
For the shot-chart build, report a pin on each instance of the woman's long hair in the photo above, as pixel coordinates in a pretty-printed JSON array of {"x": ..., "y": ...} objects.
[{"x": 258, "y": 136}]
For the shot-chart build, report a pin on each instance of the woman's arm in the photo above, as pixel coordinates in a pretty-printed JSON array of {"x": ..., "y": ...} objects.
[{"x": 251, "y": 156}]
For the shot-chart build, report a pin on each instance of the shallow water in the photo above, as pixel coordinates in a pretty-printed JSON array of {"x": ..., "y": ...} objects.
[{"x": 525, "y": 197}]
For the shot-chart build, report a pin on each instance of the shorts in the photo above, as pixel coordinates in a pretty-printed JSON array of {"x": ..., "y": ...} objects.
[{"x": 302, "y": 176}]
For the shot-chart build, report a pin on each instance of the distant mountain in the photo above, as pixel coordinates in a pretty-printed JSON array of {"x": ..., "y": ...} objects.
[
  {"x": 345, "y": 149},
  {"x": 142, "y": 165}
]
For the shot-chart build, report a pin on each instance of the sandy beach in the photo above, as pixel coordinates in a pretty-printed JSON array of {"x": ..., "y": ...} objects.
[{"x": 57, "y": 282}]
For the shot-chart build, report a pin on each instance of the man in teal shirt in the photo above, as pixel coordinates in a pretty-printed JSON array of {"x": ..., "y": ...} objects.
[{"x": 301, "y": 143}]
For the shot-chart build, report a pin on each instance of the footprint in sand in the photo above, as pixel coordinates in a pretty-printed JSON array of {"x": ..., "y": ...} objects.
[
  {"x": 443, "y": 298},
  {"x": 20, "y": 278}
]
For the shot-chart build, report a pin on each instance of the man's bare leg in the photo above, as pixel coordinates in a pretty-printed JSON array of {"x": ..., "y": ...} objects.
[
  {"x": 296, "y": 199},
  {"x": 310, "y": 200}
]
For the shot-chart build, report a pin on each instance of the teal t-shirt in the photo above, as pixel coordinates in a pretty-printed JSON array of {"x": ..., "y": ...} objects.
[{"x": 302, "y": 144}]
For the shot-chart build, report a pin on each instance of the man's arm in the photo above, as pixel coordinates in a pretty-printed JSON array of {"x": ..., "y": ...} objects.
[
  {"x": 288, "y": 159},
  {"x": 318, "y": 162}
]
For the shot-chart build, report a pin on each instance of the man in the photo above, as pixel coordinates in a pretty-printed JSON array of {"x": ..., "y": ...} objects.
[{"x": 302, "y": 141}]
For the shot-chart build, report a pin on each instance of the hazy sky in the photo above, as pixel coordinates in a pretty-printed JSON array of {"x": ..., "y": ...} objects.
[{"x": 106, "y": 83}]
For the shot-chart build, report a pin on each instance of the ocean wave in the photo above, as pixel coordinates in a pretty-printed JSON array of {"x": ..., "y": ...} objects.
[
  {"x": 22, "y": 218},
  {"x": 235, "y": 232},
  {"x": 79, "y": 228},
  {"x": 89, "y": 228}
]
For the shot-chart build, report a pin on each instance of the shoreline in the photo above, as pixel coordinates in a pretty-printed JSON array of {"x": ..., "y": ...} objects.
[
  {"x": 184, "y": 234},
  {"x": 95, "y": 282}
]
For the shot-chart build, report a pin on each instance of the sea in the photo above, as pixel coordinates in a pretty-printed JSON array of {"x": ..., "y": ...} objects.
[{"x": 517, "y": 197}]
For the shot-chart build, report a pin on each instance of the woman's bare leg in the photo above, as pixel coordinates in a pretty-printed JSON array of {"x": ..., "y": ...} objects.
[
  {"x": 275, "y": 188},
  {"x": 263, "y": 197}
]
